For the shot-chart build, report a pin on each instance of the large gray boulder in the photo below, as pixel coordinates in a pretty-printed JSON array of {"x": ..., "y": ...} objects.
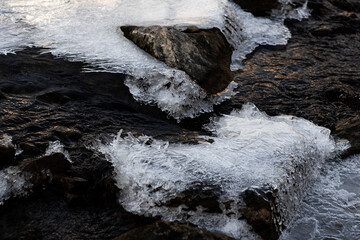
[{"x": 204, "y": 54}]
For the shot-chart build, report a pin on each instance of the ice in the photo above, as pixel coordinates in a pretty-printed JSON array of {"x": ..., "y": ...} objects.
[
  {"x": 57, "y": 147},
  {"x": 250, "y": 149},
  {"x": 12, "y": 183},
  {"x": 6, "y": 140},
  {"x": 331, "y": 207},
  {"x": 87, "y": 30}
]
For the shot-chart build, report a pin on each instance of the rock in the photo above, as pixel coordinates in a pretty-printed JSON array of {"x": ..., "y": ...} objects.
[
  {"x": 350, "y": 130},
  {"x": 258, "y": 213},
  {"x": 204, "y": 54},
  {"x": 30, "y": 149},
  {"x": 75, "y": 185},
  {"x": 41, "y": 170},
  {"x": 67, "y": 134},
  {"x": 198, "y": 195},
  {"x": 55, "y": 163},
  {"x": 162, "y": 230},
  {"x": 258, "y": 7}
]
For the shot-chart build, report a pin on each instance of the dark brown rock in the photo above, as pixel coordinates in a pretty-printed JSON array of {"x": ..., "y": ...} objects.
[
  {"x": 350, "y": 130},
  {"x": 55, "y": 163},
  {"x": 74, "y": 185},
  {"x": 40, "y": 171},
  {"x": 29, "y": 149},
  {"x": 198, "y": 195},
  {"x": 7, "y": 154},
  {"x": 67, "y": 134},
  {"x": 258, "y": 213},
  {"x": 162, "y": 230},
  {"x": 204, "y": 54}
]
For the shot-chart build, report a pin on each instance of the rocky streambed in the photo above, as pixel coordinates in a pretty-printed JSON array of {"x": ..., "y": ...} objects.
[{"x": 53, "y": 116}]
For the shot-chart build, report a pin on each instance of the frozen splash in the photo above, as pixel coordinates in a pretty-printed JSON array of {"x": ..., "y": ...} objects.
[
  {"x": 249, "y": 149},
  {"x": 87, "y": 30},
  {"x": 57, "y": 147},
  {"x": 331, "y": 208}
]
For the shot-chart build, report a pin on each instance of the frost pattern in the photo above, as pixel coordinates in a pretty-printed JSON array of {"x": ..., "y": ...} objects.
[{"x": 250, "y": 149}]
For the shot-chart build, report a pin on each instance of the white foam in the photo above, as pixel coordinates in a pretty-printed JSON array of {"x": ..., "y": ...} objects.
[
  {"x": 250, "y": 149},
  {"x": 87, "y": 31},
  {"x": 57, "y": 147},
  {"x": 331, "y": 208}
]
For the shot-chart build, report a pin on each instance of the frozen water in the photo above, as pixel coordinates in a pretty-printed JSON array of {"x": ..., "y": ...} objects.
[
  {"x": 331, "y": 207},
  {"x": 250, "y": 149},
  {"x": 57, "y": 147},
  {"x": 12, "y": 183},
  {"x": 6, "y": 140},
  {"x": 87, "y": 30}
]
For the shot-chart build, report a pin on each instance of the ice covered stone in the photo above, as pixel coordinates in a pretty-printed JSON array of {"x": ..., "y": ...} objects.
[
  {"x": 257, "y": 168},
  {"x": 204, "y": 54}
]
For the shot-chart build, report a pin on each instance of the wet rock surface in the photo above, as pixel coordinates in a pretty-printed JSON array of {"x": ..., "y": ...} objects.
[
  {"x": 316, "y": 76},
  {"x": 204, "y": 54}
]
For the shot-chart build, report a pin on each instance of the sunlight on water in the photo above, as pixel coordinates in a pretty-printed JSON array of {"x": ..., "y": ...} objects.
[
  {"x": 250, "y": 149},
  {"x": 88, "y": 31}
]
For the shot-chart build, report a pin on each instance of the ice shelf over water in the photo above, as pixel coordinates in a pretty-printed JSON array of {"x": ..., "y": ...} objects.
[
  {"x": 87, "y": 30},
  {"x": 250, "y": 149}
]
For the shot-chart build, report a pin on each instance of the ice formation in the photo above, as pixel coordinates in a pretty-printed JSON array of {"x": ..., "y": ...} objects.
[
  {"x": 250, "y": 149},
  {"x": 86, "y": 30},
  {"x": 57, "y": 147},
  {"x": 331, "y": 207},
  {"x": 12, "y": 183}
]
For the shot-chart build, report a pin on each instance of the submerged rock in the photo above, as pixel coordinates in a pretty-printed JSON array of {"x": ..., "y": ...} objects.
[
  {"x": 204, "y": 54},
  {"x": 162, "y": 230}
]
